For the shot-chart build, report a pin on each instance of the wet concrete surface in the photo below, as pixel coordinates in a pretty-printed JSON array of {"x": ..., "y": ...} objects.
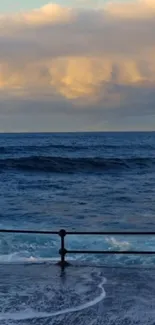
[{"x": 44, "y": 295}]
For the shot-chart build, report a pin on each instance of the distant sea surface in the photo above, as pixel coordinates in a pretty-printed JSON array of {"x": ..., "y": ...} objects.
[{"x": 77, "y": 181}]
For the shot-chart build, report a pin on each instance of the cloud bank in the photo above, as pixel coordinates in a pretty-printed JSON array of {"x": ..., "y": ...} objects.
[{"x": 89, "y": 59}]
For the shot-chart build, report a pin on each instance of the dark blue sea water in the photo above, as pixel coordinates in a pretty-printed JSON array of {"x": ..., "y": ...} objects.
[
  {"x": 89, "y": 181},
  {"x": 77, "y": 181}
]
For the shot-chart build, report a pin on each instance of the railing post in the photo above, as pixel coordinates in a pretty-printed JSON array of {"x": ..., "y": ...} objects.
[{"x": 62, "y": 250}]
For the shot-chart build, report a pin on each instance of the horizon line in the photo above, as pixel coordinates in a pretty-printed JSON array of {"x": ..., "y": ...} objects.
[{"x": 56, "y": 132}]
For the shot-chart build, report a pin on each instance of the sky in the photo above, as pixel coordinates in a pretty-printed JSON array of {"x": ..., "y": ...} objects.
[
  {"x": 21, "y": 5},
  {"x": 82, "y": 65}
]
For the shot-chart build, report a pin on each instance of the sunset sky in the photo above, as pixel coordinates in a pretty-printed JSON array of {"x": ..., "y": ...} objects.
[{"x": 82, "y": 65}]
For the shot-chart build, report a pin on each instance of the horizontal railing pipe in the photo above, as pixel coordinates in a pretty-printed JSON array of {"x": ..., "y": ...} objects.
[
  {"x": 25, "y": 231},
  {"x": 110, "y": 252},
  {"x": 50, "y": 232},
  {"x": 152, "y": 233},
  {"x": 63, "y": 233}
]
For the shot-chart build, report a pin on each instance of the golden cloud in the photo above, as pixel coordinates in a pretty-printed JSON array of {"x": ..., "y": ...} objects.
[
  {"x": 48, "y": 14},
  {"x": 139, "y": 9},
  {"x": 79, "y": 54}
]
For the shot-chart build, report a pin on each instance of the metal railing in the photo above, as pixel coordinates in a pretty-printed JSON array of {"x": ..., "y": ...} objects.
[{"x": 63, "y": 251}]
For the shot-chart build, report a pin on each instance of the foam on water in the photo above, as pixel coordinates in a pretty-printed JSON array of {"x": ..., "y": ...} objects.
[
  {"x": 41, "y": 251},
  {"x": 18, "y": 258},
  {"x": 31, "y": 314},
  {"x": 122, "y": 245}
]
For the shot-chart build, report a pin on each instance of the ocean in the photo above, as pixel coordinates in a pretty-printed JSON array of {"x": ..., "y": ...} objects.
[
  {"x": 76, "y": 181},
  {"x": 80, "y": 182}
]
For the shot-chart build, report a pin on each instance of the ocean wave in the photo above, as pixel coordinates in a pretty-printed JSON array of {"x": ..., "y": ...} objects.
[
  {"x": 71, "y": 165},
  {"x": 73, "y": 147},
  {"x": 32, "y": 148},
  {"x": 20, "y": 257}
]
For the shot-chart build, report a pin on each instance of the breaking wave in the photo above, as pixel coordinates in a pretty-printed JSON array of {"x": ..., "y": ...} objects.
[{"x": 71, "y": 165}]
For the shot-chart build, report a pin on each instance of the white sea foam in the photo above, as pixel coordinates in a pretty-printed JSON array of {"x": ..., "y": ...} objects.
[
  {"x": 31, "y": 314},
  {"x": 118, "y": 243},
  {"x": 19, "y": 257}
]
